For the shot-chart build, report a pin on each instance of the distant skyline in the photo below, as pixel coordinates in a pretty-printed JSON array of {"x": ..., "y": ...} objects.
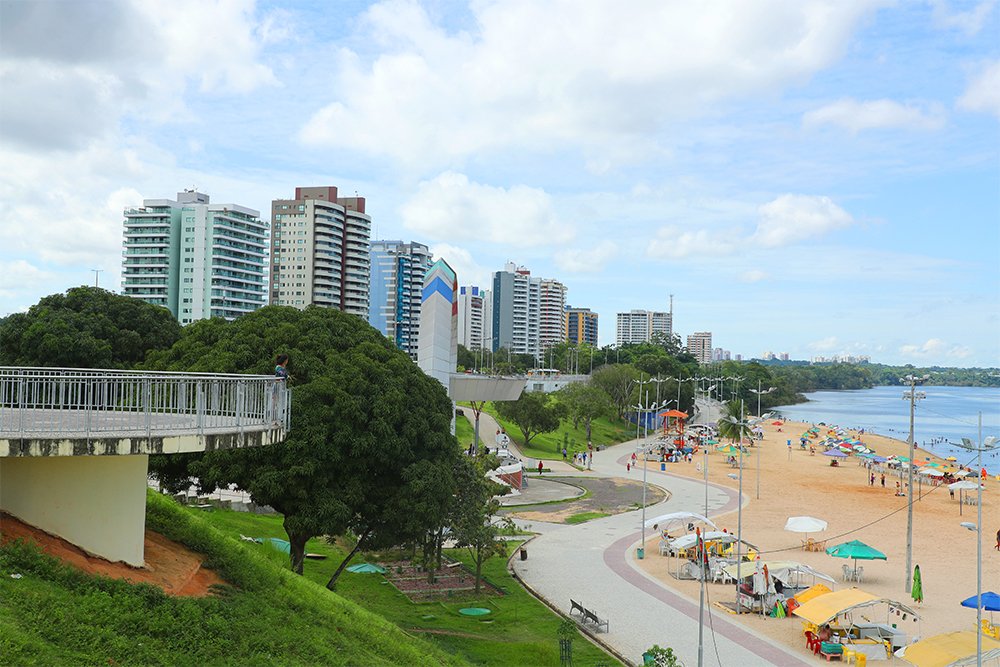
[{"x": 813, "y": 177}]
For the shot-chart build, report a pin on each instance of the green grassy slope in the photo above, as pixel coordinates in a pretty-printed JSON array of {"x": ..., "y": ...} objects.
[
  {"x": 520, "y": 631},
  {"x": 56, "y": 615},
  {"x": 604, "y": 431}
]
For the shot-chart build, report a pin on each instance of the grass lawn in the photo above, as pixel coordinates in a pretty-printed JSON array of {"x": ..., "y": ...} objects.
[
  {"x": 520, "y": 631},
  {"x": 465, "y": 431},
  {"x": 585, "y": 516},
  {"x": 604, "y": 431},
  {"x": 54, "y": 614}
]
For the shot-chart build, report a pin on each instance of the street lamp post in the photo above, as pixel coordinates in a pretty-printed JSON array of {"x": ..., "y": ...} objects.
[
  {"x": 759, "y": 392},
  {"x": 740, "y": 425},
  {"x": 984, "y": 445},
  {"x": 913, "y": 395}
]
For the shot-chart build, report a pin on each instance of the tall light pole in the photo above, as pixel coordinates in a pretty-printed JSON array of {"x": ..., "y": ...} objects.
[
  {"x": 760, "y": 391},
  {"x": 984, "y": 445},
  {"x": 97, "y": 275},
  {"x": 913, "y": 396},
  {"x": 740, "y": 425}
]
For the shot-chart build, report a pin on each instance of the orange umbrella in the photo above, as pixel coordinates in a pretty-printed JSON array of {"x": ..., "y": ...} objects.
[{"x": 674, "y": 413}]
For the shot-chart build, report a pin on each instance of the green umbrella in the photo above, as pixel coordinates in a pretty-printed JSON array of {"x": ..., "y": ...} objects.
[
  {"x": 855, "y": 549},
  {"x": 917, "y": 590}
]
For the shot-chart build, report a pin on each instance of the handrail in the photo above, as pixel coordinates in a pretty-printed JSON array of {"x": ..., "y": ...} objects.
[{"x": 77, "y": 402}]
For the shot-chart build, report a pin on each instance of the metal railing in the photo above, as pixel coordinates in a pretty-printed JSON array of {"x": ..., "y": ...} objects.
[{"x": 55, "y": 402}]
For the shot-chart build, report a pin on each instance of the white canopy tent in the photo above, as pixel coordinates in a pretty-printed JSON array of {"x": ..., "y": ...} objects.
[{"x": 665, "y": 521}]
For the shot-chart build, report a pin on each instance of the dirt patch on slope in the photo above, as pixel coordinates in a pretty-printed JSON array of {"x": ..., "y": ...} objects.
[{"x": 169, "y": 565}]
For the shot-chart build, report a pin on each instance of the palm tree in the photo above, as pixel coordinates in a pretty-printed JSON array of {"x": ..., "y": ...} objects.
[{"x": 732, "y": 424}]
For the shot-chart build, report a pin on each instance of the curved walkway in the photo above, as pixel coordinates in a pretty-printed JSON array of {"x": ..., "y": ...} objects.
[{"x": 593, "y": 564}]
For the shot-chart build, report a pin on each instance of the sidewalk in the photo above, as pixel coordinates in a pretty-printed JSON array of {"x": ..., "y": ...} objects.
[
  {"x": 593, "y": 564},
  {"x": 488, "y": 428}
]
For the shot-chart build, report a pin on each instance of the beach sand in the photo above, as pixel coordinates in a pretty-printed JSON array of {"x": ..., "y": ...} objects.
[{"x": 804, "y": 484}]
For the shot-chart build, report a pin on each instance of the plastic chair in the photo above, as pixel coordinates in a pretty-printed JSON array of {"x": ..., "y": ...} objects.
[
  {"x": 860, "y": 576},
  {"x": 846, "y": 569},
  {"x": 860, "y": 659},
  {"x": 848, "y": 655}
]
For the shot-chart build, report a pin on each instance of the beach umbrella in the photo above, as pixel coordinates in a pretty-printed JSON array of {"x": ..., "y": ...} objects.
[
  {"x": 917, "y": 589},
  {"x": 904, "y": 459},
  {"x": 962, "y": 473},
  {"x": 991, "y": 601},
  {"x": 931, "y": 472},
  {"x": 777, "y": 423},
  {"x": 854, "y": 550},
  {"x": 880, "y": 459},
  {"x": 951, "y": 458},
  {"x": 835, "y": 452},
  {"x": 805, "y": 524}
]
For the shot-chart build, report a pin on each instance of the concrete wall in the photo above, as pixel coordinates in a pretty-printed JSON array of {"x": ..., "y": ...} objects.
[{"x": 96, "y": 502}]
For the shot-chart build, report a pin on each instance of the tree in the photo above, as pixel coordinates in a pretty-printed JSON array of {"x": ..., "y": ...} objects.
[
  {"x": 369, "y": 451},
  {"x": 532, "y": 413},
  {"x": 86, "y": 327},
  {"x": 474, "y": 526},
  {"x": 732, "y": 424},
  {"x": 585, "y": 402},
  {"x": 616, "y": 381}
]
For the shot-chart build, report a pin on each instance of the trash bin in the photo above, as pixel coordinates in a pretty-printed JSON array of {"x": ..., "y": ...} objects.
[
  {"x": 663, "y": 466},
  {"x": 524, "y": 554},
  {"x": 648, "y": 659},
  {"x": 640, "y": 553}
]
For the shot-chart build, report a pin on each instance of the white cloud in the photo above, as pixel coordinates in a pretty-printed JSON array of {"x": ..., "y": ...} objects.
[
  {"x": 983, "y": 93},
  {"x": 855, "y": 115},
  {"x": 468, "y": 270},
  {"x": 935, "y": 348},
  {"x": 791, "y": 218},
  {"x": 677, "y": 243},
  {"x": 18, "y": 276},
  {"x": 539, "y": 74},
  {"x": 451, "y": 207},
  {"x": 581, "y": 260},
  {"x": 970, "y": 22},
  {"x": 827, "y": 344},
  {"x": 753, "y": 276}
]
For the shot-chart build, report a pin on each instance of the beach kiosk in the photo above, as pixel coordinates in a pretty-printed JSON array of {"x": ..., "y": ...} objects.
[
  {"x": 948, "y": 650},
  {"x": 844, "y": 614}
]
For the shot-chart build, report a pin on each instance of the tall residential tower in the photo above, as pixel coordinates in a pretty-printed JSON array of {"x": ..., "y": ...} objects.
[
  {"x": 516, "y": 310},
  {"x": 319, "y": 251},
  {"x": 397, "y": 280},
  {"x": 581, "y": 326},
  {"x": 197, "y": 259},
  {"x": 638, "y": 326}
]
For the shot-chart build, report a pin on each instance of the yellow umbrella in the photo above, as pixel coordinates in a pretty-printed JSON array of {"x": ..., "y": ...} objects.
[{"x": 951, "y": 458}]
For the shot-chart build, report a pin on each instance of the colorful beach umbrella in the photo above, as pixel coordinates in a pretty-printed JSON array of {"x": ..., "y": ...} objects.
[
  {"x": 917, "y": 589},
  {"x": 991, "y": 601},
  {"x": 854, "y": 550},
  {"x": 835, "y": 452}
]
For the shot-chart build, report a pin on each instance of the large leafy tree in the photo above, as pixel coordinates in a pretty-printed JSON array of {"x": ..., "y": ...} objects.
[
  {"x": 532, "y": 413},
  {"x": 86, "y": 327},
  {"x": 585, "y": 402},
  {"x": 370, "y": 450},
  {"x": 616, "y": 380}
]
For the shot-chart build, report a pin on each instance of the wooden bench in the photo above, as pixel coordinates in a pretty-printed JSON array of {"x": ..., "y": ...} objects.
[
  {"x": 576, "y": 606},
  {"x": 592, "y": 617}
]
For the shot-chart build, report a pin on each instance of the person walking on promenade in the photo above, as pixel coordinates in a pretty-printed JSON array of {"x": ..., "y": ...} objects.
[
  {"x": 540, "y": 466},
  {"x": 883, "y": 480},
  {"x": 628, "y": 466}
]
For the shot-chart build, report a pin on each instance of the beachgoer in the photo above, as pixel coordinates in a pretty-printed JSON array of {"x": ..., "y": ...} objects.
[
  {"x": 883, "y": 480},
  {"x": 998, "y": 540},
  {"x": 628, "y": 467},
  {"x": 872, "y": 481}
]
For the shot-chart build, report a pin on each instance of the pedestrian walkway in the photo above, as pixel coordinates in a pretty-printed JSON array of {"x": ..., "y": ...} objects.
[
  {"x": 488, "y": 428},
  {"x": 593, "y": 564}
]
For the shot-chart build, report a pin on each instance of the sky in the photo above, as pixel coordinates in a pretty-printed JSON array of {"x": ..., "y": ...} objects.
[{"x": 804, "y": 176}]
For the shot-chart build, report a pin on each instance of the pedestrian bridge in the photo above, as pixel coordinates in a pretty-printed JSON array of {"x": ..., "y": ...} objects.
[{"x": 75, "y": 443}]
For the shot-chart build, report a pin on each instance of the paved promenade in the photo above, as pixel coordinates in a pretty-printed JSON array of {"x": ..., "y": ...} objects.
[{"x": 593, "y": 563}]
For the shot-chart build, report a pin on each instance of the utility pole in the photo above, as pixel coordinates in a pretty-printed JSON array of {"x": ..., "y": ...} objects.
[
  {"x": 97, "y": 275},
  {"x": 913, "y": 395}
]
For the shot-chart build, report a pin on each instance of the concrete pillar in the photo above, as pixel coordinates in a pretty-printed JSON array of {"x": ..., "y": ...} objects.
[{"x": 95, "y": 502}]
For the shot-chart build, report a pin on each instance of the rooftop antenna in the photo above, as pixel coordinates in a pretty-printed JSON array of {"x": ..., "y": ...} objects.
[{"x": 97, "y": 276}]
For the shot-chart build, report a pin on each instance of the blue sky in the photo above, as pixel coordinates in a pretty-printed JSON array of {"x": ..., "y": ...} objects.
[{"x": 808, "y": 177}]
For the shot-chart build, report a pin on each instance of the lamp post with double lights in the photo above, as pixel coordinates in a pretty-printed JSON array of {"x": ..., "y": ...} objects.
[
  {"x": 912, "y": 396},
  {"x": 984, "y": 445},
  {"x": 741, "y": 425},
  {"x": 644, "y": 448}
]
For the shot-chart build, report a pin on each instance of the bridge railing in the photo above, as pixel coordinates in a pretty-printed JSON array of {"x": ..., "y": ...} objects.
[{"x": 49, "y": 402}]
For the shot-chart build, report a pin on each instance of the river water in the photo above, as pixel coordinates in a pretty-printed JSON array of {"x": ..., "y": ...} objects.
[{"x": 947, "y": 415}]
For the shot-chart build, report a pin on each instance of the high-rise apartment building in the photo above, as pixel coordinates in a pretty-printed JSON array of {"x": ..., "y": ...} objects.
[
  {"x": 551, "y": 313},
  {"x": 581, "y": 326},
  {"x": 699, "y": 344},
  {"x": 475, "y": 321},
  {"x": 397, "y": 279},
  {"x": 195, "y": 258},
  {"x": 319, "y": 251},
  {"x": 516, "y": 310},
  {"x": 638, "y": 326}
]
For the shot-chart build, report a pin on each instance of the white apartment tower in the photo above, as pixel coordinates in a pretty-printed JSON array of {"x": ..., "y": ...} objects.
[
  {"x": 551, "y": 313},
  {"x": 197, "y": 259},
  {"x": 320, "y": 251},
  {"x": 638, "y": 326},
  {"x": 397, "y": 280},
  {"x": 699, "y": 344},
  {"x": 516, "y": 310},
  {"x": 475, "y": 321}
]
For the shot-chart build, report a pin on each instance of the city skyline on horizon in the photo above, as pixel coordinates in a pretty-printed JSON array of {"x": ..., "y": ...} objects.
[{"x": 821, "y": 181}]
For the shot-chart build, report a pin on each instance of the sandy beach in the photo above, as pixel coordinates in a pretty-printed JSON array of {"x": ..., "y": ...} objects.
[{"x": 798, "y": 483}]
